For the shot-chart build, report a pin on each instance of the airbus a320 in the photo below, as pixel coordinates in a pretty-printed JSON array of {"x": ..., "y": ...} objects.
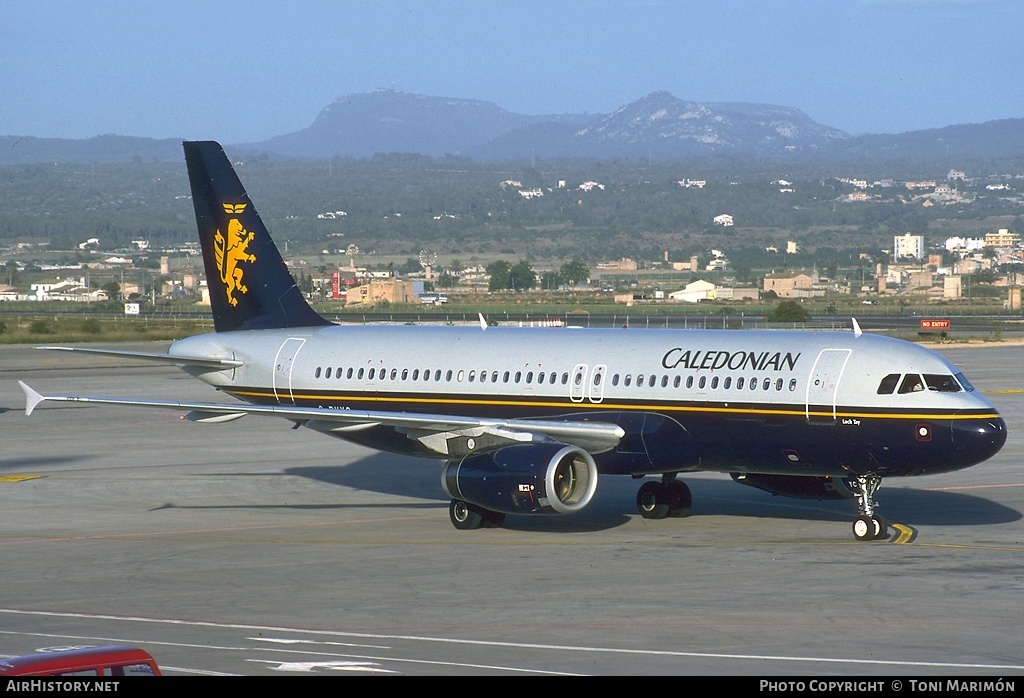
[{"x": 527, "y": 420}]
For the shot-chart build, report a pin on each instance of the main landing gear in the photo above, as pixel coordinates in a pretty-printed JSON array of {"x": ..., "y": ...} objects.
[
  {"x": 670, "y": 497},
  {"x": 868, "y": 525},
  {"x": 467, "y": 517}
]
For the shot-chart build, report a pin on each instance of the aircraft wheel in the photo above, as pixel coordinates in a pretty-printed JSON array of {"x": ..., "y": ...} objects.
[
  {"x": 464, "y": 515},
  {"x": 680, "y": 499},
  {"x": 864, "y": 528},
  {"x": 880, "y": 527},
  {"x": 652, "y": 500},
  {"x": 492, "y": 519}
]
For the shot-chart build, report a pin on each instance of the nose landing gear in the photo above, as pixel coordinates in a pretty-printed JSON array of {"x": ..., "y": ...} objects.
[{"x": 868, "y": 525}]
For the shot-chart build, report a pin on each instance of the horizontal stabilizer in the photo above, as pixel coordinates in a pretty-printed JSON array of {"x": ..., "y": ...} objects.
[{"x": 203, "y": 361}]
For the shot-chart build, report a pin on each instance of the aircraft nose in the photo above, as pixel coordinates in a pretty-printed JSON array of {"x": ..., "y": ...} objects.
[{"x": 976, "y": 440}]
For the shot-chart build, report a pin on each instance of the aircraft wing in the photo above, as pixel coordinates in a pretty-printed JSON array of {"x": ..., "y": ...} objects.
[{"x": 430, "y": 429}]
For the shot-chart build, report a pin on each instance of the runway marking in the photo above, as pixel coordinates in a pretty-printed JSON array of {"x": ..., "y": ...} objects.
[
  {"x": 905, "y": 534},
  {"x": 515, "y": 645},
  {"x": 18, "y": 478},
  {"x": 973, "y": 487}
]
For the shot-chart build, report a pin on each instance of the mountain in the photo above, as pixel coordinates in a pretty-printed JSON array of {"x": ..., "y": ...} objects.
[
  {"x": 15, "y": 150},
  {"x": 658, "y": 126},
  {"x": 387, "y": 121}
]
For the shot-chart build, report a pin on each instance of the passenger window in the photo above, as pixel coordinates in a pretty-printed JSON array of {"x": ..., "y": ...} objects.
[
  {"x": 553, "y": 378},
  {"x": 939, "y": 382},
  {"x": 437, "y": 374},
  {"x": 676, "y": 381},
  {"x": 405, "y": 374},
  {"x": 327, "y": 374},
  {"x": 640, "y": 381},
  {"x": 664, "y": 381},
  {"x": 529, "y": 376},
  {"x": 519, "y": 375},
  {"x": 540, "y": 377},
  {"x": 448, "y": 376},
  {"x": 778, "y": 385},
  {"x": 416, "y": 374},
  {"x": 348, "y": 374},
  {"x": 911, "y": 384},
  {"x": 767, "y": 384},
  {"x": 615, "y": 379},
  {"x": 792, "y": 384},
  {"x": 460, "y": 376},
  {"x": 372, "y": 371},
  {"x": 394, "y": 373},
  {"x": 702, "y": 382},
  {"x": 316, "y": 373},
  {"x": 565, "y": 378},
  {"x": 472, "y": 376},
  {"x": 360, "y": 376},
  {"x": 714, "y": 383},
  {"x": 504, "y": 378},
  {"x": 627, "y": 380},
  {"x": 727, "y": 383},
  {"x": 888, "y": 384},
  {"x": 753, "y": 384},
  {"x": 597, "y": 379},
  {"x": 689, "y": 382},
  {"x": 739, "y": 383},
  {"x": 494, "y": 376}
]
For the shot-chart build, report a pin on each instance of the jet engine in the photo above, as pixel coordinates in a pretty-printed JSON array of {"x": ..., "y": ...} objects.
[
  {"x": 799, "y": 486},
  {"x": 546, "y": 478}
]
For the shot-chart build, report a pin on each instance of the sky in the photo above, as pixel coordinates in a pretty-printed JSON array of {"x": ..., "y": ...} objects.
[{"x": 244, "y": 71}]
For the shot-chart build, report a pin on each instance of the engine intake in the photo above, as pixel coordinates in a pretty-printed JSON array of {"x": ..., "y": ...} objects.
[{"x": 551, "y": 478}]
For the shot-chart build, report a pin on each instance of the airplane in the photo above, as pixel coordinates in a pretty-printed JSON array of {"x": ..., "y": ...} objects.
[{"x": 526, "y": 420}]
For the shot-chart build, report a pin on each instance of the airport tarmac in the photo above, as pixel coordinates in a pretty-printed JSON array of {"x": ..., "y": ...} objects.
[{"x": 251, "y": 548}]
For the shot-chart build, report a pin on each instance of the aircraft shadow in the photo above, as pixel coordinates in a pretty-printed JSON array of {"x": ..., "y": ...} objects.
[{"x": 614, "y": 502}]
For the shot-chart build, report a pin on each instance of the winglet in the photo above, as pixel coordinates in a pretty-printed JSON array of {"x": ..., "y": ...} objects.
[
  {"x": 483, "y": 323},
  {"x": 856, "y": 328},
  {"x": 32, "y": 398}
]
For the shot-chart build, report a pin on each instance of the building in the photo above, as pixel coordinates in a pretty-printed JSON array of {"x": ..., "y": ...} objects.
[
  {"x": 1002, "y": 238},
  {"x": 788, "y": 285},
  {"x": 724, "y": 220},
  {"x": 907, "y": 246}
]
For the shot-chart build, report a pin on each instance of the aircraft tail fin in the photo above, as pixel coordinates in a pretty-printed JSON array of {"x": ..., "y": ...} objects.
[{"x": 250, "y": 286}]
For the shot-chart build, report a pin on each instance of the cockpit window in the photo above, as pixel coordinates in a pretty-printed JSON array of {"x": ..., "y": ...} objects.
[
  {"x": 964, "y": 382},
  {"x": 912, "y": 383},
  {"x": 941, "y": 383},
  {"x": 888, "y": 384}
]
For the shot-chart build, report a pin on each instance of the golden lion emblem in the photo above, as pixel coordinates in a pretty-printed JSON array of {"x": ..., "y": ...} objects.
[{"x": 231, "y": 249}]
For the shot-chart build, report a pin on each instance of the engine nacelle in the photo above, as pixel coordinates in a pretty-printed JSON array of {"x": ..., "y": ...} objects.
[
  {"x": 797, "y": 486},
  {"x": 548, "y": 478}
]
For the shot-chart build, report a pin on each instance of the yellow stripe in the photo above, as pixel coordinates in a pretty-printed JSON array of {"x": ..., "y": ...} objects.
[
  {"x": 18, "y": 478},
  {"x": 794, "y": 412}
]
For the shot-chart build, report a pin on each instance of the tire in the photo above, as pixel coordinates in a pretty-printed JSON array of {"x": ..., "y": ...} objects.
[
  {"x": 464, "y": 515},
  {"x": 680, "y": 499},
  {"x": 652, "y": 500},
  {"x": 864, "y": 528}
]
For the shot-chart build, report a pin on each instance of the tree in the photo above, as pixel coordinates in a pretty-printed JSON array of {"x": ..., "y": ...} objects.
[
  {"x": 575, "y": 272},
  {"x": 113, "y": 290},
  {"x": 500, "y": 273},
  {"x": 788, "y": 311},
  {"x": 522, "y": 277}
]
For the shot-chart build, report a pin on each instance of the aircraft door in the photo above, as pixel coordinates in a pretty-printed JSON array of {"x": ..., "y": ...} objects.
[
  {"x": 597, "y": 383},
  {"x": 283, "y": 364},
  {"x": 823, "y": 385},
  {"x": 578, "y": 383}
]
